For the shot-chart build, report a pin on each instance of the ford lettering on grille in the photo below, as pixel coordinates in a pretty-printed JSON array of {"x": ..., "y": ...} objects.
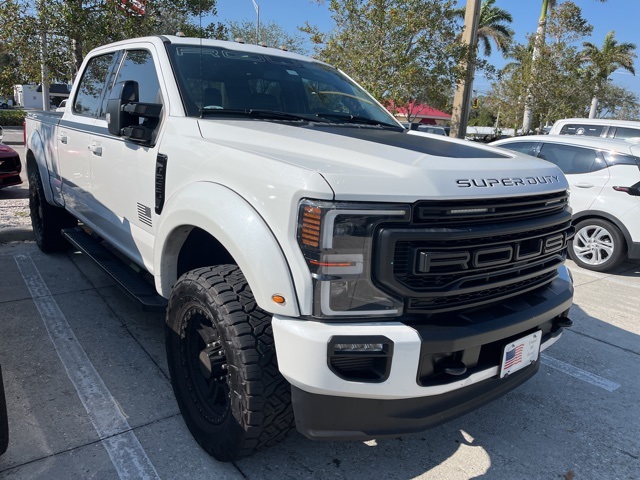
[{"x": 433, "y": 261}]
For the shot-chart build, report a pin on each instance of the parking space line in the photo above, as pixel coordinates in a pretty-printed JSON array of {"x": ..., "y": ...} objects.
[
  {"x": 580, "y": 374},
  {"x": 608, "y": 278},
  {"x": 126, "y": 453}
]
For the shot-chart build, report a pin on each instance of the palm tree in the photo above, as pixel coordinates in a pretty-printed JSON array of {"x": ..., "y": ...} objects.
[
  {"x": 604, "y": 61},
  {"x": 539, "y": 41},
  {"x": 493, "y": 25}
]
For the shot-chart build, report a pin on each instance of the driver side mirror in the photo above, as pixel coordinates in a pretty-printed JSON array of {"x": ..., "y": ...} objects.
[{"x": 128, "y": 117}]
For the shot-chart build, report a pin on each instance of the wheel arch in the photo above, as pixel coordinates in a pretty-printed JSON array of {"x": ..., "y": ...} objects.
[
  {"x": 212, "y": 218},
  {"x": 36, "y": 158},
  {"x": 578, "y": 217}
]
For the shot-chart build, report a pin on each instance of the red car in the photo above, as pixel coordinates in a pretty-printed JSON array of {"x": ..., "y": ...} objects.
[{"x": 10, "y": 166}]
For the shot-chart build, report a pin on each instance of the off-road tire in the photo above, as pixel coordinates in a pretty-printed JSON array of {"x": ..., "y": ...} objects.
[
  {"x": 47, "y": 220},
  {"x": 598, "y": 245},
  {"x": 4, "y": 422},
  {"x": 214, "y": 325}
]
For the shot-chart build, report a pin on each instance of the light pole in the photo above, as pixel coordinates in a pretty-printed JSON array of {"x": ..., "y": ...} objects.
[
  {"x": 44, "y": 71},
  {"x": 257, "y": 7}
]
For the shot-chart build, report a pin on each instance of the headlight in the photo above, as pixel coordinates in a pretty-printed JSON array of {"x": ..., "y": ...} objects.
[{"x": 337, "y": 240}]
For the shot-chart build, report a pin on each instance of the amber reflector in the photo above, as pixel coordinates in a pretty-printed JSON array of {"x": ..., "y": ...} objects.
[
  {"x": 311, "y": 218},
  {"x": 279, "y": 299}
]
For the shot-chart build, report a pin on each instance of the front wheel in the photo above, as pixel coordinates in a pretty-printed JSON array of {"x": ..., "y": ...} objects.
[
  {"x": 223, "y": 367},
  {"x": 597, "y": 245}
]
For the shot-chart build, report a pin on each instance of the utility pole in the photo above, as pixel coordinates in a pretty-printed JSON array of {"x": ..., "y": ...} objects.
[{"x": 462, "y": 98}]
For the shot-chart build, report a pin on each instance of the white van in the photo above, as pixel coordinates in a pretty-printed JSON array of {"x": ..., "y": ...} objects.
[{"x": 596, "y": 127}]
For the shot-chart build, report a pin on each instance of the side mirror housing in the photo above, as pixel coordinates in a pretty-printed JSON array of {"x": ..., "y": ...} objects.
[{"x": 129, "y": 118}]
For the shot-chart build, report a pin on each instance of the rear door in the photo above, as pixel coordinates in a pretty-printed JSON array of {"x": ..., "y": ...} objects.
[
  {"x": 584, "y": 168},
  {"x": 73, "y": 136}
]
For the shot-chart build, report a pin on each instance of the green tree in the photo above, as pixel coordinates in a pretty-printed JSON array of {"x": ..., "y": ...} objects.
[
  {"x": 493, "y": 26},
  {"x": 604, "y": 61},
  {"x": 271, "y": 34},
  {"x": 71, "y": 28},
  {"x": 539, "y": 41},
  {"x": 557, "y": 86},
  {"x": 402, "y": 51}
]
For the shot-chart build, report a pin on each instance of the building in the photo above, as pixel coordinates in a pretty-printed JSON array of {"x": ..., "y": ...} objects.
[{"x": 419, "y": 113}]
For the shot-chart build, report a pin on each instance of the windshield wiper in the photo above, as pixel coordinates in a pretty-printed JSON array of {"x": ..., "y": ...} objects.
[
  {"x": 347, "y": 118},
  {"x": 257, "y": 113}
]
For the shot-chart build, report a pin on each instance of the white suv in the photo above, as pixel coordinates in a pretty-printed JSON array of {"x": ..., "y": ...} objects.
[
  {"x": 604, "y": 179},
  {"x": 596, "y": 127}
]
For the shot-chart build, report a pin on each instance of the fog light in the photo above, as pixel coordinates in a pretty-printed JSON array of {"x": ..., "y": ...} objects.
[
  {"x": 358, "y": 347},
  {"x": 360, "y": 359}
]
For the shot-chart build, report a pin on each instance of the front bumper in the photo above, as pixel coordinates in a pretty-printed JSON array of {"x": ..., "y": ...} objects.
[{"x": 328, "y": 406}]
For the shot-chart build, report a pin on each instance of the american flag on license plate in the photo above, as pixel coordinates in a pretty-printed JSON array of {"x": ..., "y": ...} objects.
[{"x": 513, "y": 356}]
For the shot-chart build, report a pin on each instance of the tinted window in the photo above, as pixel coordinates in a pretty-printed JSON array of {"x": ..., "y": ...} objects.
[
  {"x": 579, "y": 129},
  {"x": 88, "y": 100},
  {"x": 626, "y": 132},
  {"x": 223, "y": 79},
  {"x": 614, "y": 158},
  {"x": 572, "y": 159},
  {"x": 138, "y": 66},
  {"x": 522, "y": 147}
]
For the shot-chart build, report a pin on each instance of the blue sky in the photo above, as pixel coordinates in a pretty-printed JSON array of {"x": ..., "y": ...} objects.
[{"x": 623, "y": 16}]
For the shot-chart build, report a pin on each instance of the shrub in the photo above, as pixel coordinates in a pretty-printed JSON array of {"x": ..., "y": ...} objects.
[{"x": 12, "y": 117}]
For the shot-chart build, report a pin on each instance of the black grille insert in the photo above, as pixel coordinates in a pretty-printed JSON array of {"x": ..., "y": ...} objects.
[
  {"x": 491, "y": 209},
  {"x": 447, "y": 267}
]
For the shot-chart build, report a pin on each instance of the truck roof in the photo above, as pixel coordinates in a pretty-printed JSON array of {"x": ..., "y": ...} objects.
[{"x": 195, "y": 41}]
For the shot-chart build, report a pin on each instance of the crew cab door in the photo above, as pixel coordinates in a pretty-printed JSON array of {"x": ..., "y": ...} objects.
[
  {"x": 73, "y": 136},
  {"x": 122, "y": 171}
]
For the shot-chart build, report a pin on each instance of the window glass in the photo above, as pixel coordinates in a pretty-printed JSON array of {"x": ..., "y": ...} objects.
[
  {"x": 615, "y": 158},
  {"x": 626, "y": 132},
  {"x": 231, "y": 80},
  {"x": 88, "y": 100},
  {"x": 579, "y": 129},
  {"x": 522, "y": 147},
  {"x": 138, "y": 66},
  {"x": 572, "y": 159}
]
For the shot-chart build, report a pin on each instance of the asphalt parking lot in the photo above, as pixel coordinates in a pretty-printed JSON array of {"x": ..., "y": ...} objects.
[{"x": 89, "y": 395}]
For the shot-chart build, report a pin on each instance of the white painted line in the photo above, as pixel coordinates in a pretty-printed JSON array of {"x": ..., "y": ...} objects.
[
  {"x": 607, "y": 278},
  {"x": 121, "y": 443},
  {"x": 580, "y": 374}
]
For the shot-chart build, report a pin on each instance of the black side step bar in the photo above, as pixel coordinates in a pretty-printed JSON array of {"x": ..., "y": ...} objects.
[{"x": 127, "y": 278}]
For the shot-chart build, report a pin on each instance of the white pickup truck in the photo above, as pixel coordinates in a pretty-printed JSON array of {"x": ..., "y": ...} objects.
[{"x": 325, "y": 268}]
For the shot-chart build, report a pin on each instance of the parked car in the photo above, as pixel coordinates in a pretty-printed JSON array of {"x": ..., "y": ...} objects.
[
  {"x": 435, "y": 129},
  {"x": 604, "y": 180},
  {"x": 431, "y": 129},
  {"x": 596, "y": 127},
  {"x": 10, "y": 166}
]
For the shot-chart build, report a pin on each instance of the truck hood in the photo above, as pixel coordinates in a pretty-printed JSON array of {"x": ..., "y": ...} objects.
[{"x": 387, "y": 165}]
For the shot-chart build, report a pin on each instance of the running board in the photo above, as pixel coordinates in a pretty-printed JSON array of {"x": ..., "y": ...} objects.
[{"x": 126, "y": 277}]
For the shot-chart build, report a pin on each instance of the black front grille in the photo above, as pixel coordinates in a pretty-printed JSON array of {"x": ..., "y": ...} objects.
[
  {"x": 462, "y": 212},
  {"x": 440, "y": 267}
]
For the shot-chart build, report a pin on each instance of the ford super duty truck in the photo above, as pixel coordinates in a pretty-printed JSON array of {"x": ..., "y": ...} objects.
[{"x": 322, "y": 268}]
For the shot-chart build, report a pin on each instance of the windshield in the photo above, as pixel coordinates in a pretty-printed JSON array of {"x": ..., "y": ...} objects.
[{"x": 214, "y": 78}]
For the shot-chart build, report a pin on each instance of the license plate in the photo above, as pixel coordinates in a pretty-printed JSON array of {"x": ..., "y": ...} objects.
[{"x": 521, "y": 353}]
